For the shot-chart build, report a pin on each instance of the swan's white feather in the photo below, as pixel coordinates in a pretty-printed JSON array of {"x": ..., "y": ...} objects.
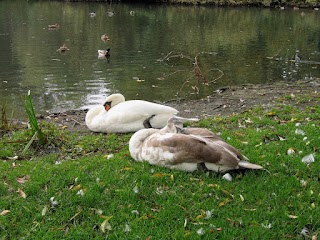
[{"x": 128, "y": 116}]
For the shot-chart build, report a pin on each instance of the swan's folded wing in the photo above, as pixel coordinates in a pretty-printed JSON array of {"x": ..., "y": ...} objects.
[{"x": 180, "y": 148}]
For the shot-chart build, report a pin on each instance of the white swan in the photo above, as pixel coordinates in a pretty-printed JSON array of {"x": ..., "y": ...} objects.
[
  {"x": 120, "y": 116},
  {"x": 187, "y": 149}
]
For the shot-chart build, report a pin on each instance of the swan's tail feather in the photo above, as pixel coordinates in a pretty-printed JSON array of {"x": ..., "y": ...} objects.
[{"x": 245, "y": 164}]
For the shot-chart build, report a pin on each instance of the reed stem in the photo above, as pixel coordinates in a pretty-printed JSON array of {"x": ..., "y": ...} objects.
[{"x": 28, "y": 105}]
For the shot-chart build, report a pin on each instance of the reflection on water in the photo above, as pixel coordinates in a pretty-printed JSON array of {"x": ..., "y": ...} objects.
[{"x": 157, "y": 52}]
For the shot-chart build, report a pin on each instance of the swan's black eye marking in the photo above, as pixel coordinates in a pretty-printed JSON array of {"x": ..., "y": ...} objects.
[{"x": 107, "y": 105}]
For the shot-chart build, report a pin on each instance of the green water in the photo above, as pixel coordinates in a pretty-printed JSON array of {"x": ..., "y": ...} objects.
[{"x": 152, "y": 52}]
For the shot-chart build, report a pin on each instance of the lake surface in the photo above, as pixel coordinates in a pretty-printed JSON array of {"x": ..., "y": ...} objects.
[{"x": 158, "y": 53}]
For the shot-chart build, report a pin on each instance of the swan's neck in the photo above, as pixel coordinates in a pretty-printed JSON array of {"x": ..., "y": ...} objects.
[
  {"x": 91, "y": 114},
  {"x": 115, "y": 99},
  {"x": 137, "y": 140}
]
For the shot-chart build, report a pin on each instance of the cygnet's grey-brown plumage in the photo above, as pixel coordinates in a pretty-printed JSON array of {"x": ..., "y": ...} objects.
[{"x": 186, "y": 149}]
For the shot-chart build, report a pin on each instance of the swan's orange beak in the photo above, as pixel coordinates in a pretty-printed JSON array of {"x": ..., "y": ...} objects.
[{"x": 107, "y": 106}]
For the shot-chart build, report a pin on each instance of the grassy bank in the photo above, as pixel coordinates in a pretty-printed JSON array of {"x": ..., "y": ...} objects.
[{"x": 84, "y": 186}]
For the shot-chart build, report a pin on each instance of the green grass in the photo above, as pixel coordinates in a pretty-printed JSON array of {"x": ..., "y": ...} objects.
[{"x": 160, "y": 203}]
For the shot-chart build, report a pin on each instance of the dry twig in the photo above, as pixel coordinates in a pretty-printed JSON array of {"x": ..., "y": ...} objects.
[{"x": 196, "y": 70}]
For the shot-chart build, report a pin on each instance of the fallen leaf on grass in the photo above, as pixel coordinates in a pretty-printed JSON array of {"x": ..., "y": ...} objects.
[
  {"x": 163, "y": 175},
  {"x": 71, "y": 219},
  {"x": 185, "y": 223},
  {"x": 208, "y": 214},
  {"x": 127, "y": 228},
  {"x": 292, "y": 216},
  {"x": 299, "y": 132},
  {"x": 241, "y": 197},
  {"x": 290, "y": 151},
  {"x": 44, "y": 211},
  {"x": 308, "y": 159},
  {"x": 136, "y": 189},
  {"x": 235, "y": 223},
  {"x": 227, "y": 177},
  {"x": 146, "y": 216},
  {"x": 108, "y": 156},
  {"x": 126, "y": 169},
  {"x": 266, "y": 225},
  {"x": 53, "y": 203},
  {"x": 271, "y": 114},
  {"x": 304, "y": 232},
  {"x": 23, "y": 179},
  {"x": 96, "y": 211},
  {"x": 106, "y": 217},
  {"x": 159, "y": 175},
  {"x": 200, "y": 231},
  {"x": 21, "y": 193},
  {"x": 303, "y": 183},
  {"x": 248, "y": 120},
  {"x": 81, "y": 192},
  {"x": 4, "y": 212},
  {"x": 200, "y": 216},
  {"x": 135, "y": 212},
  {"x": 105, "y": 225},
  {"x": 228, "y": 193},
  {"x": 224, "y": 202},
  {"x": 213, "y": 185}
]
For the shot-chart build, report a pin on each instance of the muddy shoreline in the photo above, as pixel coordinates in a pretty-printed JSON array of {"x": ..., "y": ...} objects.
[{"x": 224, "y": 102}]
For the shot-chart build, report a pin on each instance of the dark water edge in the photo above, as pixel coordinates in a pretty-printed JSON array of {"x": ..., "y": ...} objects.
[{"x": 223, "y": 3}]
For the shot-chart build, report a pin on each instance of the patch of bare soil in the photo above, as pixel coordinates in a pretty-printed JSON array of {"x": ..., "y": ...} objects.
[{"x": 223, "y": 102}]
